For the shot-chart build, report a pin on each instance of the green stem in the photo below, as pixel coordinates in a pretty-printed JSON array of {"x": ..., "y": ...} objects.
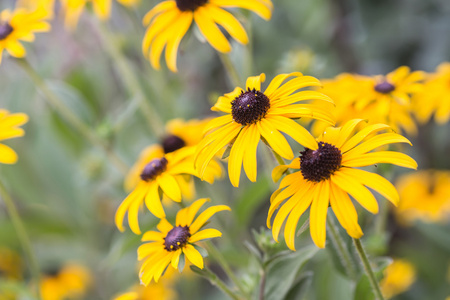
[
  {"x": 22, "y": 235},
  {"x": 230, "y": 69},
  {"x": 217, "y": 255},
  {"x": 365, "y": 261},
  {"x": 70, "y": 117},
  {"x": 131, "y": 82},
  {"x": 341, "y": 249},
  {"x": 219, "y": 283}
]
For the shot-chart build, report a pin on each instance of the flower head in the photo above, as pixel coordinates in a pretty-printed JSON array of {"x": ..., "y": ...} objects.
[
  {"x": 9, "y": 128},
  {"x": 252, "y": 114},
  {"x": 74, "y": 8},
  {"x": 425, "y": 196},
  {"x": 169, "y": 243},
  {"x": 327, "y": 175},
  {"x": 169, "y": 21},
  {"x": 398, "y": 277},
  {"x": 379, "y": 99},
  {"x": 20, "y": 25},
  {"x": 434, "y": 99},
  {"x": 161, "y": 176}
]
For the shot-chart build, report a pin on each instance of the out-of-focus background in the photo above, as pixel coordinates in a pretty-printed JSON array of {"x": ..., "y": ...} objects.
[{"x": 67, "y": 191}]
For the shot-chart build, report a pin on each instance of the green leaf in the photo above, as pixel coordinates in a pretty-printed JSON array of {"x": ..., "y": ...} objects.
[
  {"x": 282, "y": 273},
  {"x": 301, "y": 287}
]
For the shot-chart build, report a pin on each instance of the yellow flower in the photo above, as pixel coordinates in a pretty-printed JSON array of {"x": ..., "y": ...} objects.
[
  {"x": 73, "y": 9},
  {"x": 179, "y": 134},
  {"x": 379, "y": 99},
  {"x": 20, "y": 25},
  {"x": 328, "y": 173},
  {"x": 172, "y": 242},
  {"x": 169, "y": 21},
  {"x": 9, "y": 128},
  {"x": 398, "y": 277},
  {"x": 160, "y": 176},
  {"x": 151, "y": 292},
  {"x": 424, "y": 195},
  {"x": 72, "y": 281},
  {"x": 435, "y": 97},
  {"x": 252, "y": 115}
]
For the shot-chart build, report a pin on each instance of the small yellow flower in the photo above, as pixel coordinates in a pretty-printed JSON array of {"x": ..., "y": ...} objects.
[
  {"x": 20, "y": 25},
  {"x": 9, "y": 128},
  {"x": 252, "y": 115},
  {"x": 328, "y": 174},
  {"x": 74, "y": 8},
  {"x": 72, "y": 281},
  {"x": 425, "y": 196},
  {"x": 169, "y": 21},
  {"x": 398, "y": 277},
  {"x": 169, "y": 243},
  {"x": 161, "y": 176},
  {"x": 435, "y": 97},
  {"x": 379, "y": 99}
]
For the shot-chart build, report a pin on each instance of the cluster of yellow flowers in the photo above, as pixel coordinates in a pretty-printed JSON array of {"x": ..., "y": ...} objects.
[{"x": 369, "y": 113}]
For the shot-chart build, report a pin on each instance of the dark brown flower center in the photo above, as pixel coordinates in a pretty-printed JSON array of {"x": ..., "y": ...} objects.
[
  {"x": 384, "y": 87},
  {"x": 318, "y": 165},
  {"x": 172, "y": 143},
  {"x": 192, "y": 5},
  {"x": 176, "y": 238},
  {"x": 154, "y": 168},
  {"x": 5, "y": 30},
  {"x": 249, "y": 107}
]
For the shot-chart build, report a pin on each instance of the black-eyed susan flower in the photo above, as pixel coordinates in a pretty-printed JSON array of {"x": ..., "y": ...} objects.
[
  {"x": 161, "y": 176},
  {"x": 425, "y": 196},
  {"x": 20, "y": 25},
  {"x": 175, "y": 245},
  {"x": 434, "y": 99},
  {"x": 9, "y": 128},
  {"x": 69, "y": 282},
  {"x": 73, "y": 9},
  {"x": 379, "y": 99},
  {"x": 169, "y": 21},
  {"x": 398, "y": 278},
  {"x": 252, "y": 115},
  {"x": 328, "y": 174},
  {"x": 178, "y": 134}
]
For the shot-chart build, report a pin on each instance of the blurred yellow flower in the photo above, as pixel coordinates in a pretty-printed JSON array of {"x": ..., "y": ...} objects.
[
  {"x": 9, "y": 128},
  {"x": 169, "y": 21},
  {"x": 151, "y": 292},
  {"x": 425, "y": 196},
  {"x": 73, "y": 9},
  {"x": 47, "y": 5},
  {"x": 328, "y": 173},
  {"x": 20, "y": 25},
  {"x": 161, "y": 176},
  {"x": 175, "y": 245},
  {"x": 252, "y": 115},
  {"x": 435, "y": 97},
  {"x": 379, "y": 99},
  {"x": 72, "y": 281},
  {"x": 398, "y": 277}
]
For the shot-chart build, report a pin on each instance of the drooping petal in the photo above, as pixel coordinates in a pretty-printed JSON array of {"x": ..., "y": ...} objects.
[
  {"x": 193, "y": 256},
  {"x": 183, "y": 23},
  {"x": 318, "y": 213},
  {"x": 210, "y": 31},
  {"x": 7, "y": 155},
  {"x": 250, "y": 164},
  {"x": 229, "y": 23},
  {"x": 159, "y": 8},
  {"x": 275, "y": 139},
  {"x": 236, "y": 156},
  {"x": 294, "y": 130},
  {"x": 169, "y": 186},
  {"x": 136, "y": 195},
  {"x": 153, "y": 202}
]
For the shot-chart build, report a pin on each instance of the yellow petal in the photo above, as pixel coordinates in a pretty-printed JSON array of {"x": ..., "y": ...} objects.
[
  {"x": 191, "y": 212},
  {"x": 133, "y": 212},
  {"x": 375, "y": 142},
  {"x": 346, "y": 131},
  {"x": 294, "y": 130},
  {"x": 275, "y": 139},
  {"x": 204, "y": 216},
  {"x": 136, "y": 195},
  {"x": 229, "y": 23},
  {"x": 259, "y": 7},
  {"x": 357, "y": 138},
  {"x": 389, "y": 157},
  {"x": 210, "y": 30},
  {"x": 176, "y": 259},
  {"x": 193, "y": 256},
  {"x": 15, "y": 48},
  {"x": 164, "y": 226},
  {"x": 169, "y": 186},
  {"x": 236, "y": 156},
  {"x": 159, "y": 8},
  {"x": 153, "y": 202},
  {"x": 102, "y": 8},
  {"x": 254, "y": 82},
  {"x": 345, "y": 211},
  {"x": 205, "y": 234},
  {"x": 276, "y": 82},
  {"x": 250, "y": 164},
  {"x": 7, "y": 155},
  {"x": 318, "y": 213},
  {"x": 183, "y": 23},
  {"x": 152, "y": 236}
]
